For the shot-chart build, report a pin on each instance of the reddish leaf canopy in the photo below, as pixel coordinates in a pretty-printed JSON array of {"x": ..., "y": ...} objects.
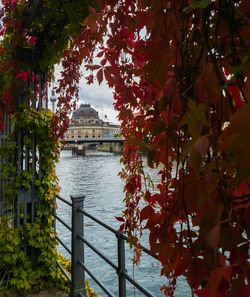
[{"x": 180, "y": 70}]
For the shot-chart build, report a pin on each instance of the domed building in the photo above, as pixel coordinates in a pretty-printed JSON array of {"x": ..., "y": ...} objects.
[
  {"x": 85, "y": 114},
  {"x": 86, "y": 123}
]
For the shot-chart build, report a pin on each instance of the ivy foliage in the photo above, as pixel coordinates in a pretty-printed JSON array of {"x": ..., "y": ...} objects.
[
  {"x": 22, "y": 273},
  {"x": 34, "y": 36}
]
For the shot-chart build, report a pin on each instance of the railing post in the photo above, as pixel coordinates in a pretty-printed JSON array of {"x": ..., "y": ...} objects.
[
  {"x": 77, "y": 248},
  {"x": 121, "y": 265}
]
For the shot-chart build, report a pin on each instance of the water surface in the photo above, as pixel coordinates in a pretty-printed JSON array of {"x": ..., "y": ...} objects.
[{"x": 96, "y": 177}]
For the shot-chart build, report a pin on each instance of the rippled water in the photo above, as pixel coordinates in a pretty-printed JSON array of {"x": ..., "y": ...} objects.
[{"x": 96, "y": 177}]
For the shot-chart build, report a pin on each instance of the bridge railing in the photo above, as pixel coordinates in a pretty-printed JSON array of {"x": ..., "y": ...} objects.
[
  {"x": 78, "y": 241},
  {"x": 93, "y": 139}
]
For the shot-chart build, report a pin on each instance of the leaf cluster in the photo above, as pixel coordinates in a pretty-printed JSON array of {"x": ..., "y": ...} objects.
[{"x": 20, "y": 273}]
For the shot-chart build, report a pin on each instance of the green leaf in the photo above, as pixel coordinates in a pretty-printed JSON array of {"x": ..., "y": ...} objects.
[{"x": 198, "y": 4}]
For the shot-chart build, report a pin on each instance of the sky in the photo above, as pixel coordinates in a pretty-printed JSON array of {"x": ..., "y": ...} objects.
[{"x": 98, "y": 96}]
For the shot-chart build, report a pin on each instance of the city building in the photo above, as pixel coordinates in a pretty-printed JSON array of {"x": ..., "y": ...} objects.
[{"x": 86, "y": 123}]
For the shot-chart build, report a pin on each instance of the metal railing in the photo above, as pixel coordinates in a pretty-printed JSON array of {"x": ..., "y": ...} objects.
[{"x": 78, "y": 267}]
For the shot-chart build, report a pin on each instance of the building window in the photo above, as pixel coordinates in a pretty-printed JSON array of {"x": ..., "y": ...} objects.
[
  {"x": 86, "y": 136},
  {"x": 79, "y": 136}
]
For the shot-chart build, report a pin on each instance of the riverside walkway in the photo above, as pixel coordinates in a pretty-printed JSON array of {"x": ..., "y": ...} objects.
[{"x": 44, "y": 293}]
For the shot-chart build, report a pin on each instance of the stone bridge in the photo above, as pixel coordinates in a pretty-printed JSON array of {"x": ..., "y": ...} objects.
[{"x": 94, "y": 140}]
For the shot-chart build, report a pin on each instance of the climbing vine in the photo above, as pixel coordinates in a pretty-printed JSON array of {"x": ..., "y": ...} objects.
[
  {"x": 21, "y": 274},
  {"x": 180, "y": 71},
  {"x": 34, "y": 36},
  {"x": 18, "y": 271}
]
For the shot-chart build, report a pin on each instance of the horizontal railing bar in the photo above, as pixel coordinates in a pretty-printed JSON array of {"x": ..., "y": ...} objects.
[
  {"x": 108, "y": 261},
  {"x": 147, "y": 251},
  {"x": 63, "y": 271},
  {"x": 66, "y": 248},
  {"x": 143, "y": 248},
  {"x": 138, "y": 286},
  {"x": 61, "y": 221},
  {"x": 97, "y": 221},
  {"x": 100, "y": 284},
  {"x": 97, "y": 252},
  {"x": 64, "y": 200}
]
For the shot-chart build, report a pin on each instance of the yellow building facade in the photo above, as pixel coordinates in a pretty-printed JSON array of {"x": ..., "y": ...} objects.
[{"x": 86, "y": 123}]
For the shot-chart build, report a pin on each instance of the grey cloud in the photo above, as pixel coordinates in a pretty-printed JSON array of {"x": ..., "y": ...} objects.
[{"x": 99, "y": 96}]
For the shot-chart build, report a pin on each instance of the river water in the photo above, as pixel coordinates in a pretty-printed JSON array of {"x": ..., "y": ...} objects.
[{"x": 96, "y": 177}]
